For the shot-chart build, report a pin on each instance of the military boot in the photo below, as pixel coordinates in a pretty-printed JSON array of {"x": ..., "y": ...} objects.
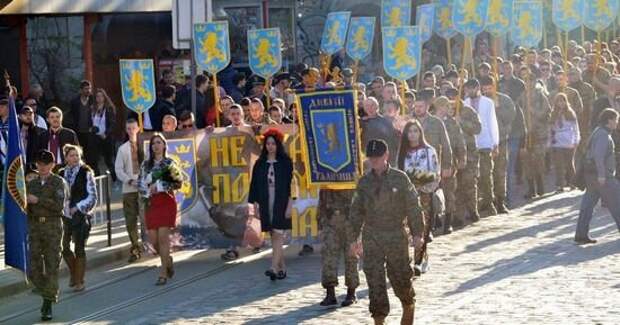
[
  {"x": 46, "y": 310},
  {"x": 350, "y": 299},
  {"x": 330, "y": 298},
  {"x": 70, "y": 260},
  {"x": 408, "y": 314},
  {"x": 540, "y": 185},
  {"x": 447, "y": 226},
  {"x": 379, "y": 320}
]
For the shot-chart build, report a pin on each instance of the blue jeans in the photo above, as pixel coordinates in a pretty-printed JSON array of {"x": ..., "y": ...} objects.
[
  {"x": 609, "y": 193},
  {"x": 514, "y": 144}
]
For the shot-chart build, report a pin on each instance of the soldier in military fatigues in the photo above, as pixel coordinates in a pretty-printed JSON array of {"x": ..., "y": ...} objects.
[
  {"x": 537, "y": 112},
  {"x": 434, "y": 129},
  {"x": 46, "y": 196},
  {"x": 445, "y": 110},
  {"x": 505, "y": 113},
  {"x": 467, "y": 175},
  {"x": 385, "y": 205},
  {"x": 333, "y": 210},
  {"x": 586, "y": 92}
]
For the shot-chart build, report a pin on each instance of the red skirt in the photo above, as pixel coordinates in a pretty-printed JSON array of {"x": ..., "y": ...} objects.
[{"x": 161, "y": 212}]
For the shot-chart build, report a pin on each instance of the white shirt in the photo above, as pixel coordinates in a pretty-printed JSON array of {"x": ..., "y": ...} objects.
[
  {"x": 488, "y": 138},
  {"x": 40, "y": 122}
]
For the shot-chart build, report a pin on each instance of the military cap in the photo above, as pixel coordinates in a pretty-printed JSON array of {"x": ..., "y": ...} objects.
[
  {"x": 347, "y": 72},
  {"x": 257, "y": 80},
  {"x": 376, "y": 148},
  {"x": 44, "y": 156},
  {"x": 281, "y": 76}
]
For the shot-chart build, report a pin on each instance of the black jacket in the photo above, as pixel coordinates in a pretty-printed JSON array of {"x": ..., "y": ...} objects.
[
  {"x": 259, "y": 192},
  {"x": 75, "y": 111},
  {"x": 66, "y": 136},
  {"x": 110, "y": 123},
  {"x": 33, "y": 145}
]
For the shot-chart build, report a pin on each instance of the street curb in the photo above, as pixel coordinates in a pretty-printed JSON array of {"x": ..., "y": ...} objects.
[{"x": 116, "y": 254}]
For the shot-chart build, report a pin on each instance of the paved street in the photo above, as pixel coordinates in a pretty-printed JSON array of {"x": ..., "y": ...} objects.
[{"x": 521, "y": 268}]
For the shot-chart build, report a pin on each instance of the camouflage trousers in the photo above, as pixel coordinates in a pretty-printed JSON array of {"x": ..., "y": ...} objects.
[
  {"x": 448, "y": 185},
  {"x": 385, "y": 251},
  {"x": 535, "y": 165},
  {"x": 45, "y": 236},
  {"x": 486, "y": 178},
  {"x": 564, "y": 160},
  {"x": 335, "y": 243},
  {"x": 467, "y": 187},
  {"x": 426, "y": 201},
  {"x": 500, "y": 172}
]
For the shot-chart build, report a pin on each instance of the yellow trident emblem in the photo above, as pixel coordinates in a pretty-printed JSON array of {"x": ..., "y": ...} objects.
[
  {"x": 401, "y": 56},
  {"x": 210, "y": 49}
]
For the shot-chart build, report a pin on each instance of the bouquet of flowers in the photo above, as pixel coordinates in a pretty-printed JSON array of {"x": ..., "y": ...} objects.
[
  {"x": 420, "y": 178},
  {"x": 170, "y": 175}
]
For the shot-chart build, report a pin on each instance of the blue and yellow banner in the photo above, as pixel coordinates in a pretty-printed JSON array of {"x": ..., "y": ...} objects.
[
  {"x": 469, "y": 16},
  {"x": 444, "y": 27},
  {"x": 138, "y": 84},
  {"x": 360, "y": 38},
  {"x": 330, "y": 138},
  {"x": 14, "y": 191},
  {"x": 567, "y": 14},
  {"x": 425, "y": 15},
  {"x": 395, "y": 13},
  {"x": 527, "y": 24},
  {"x": 212, "y": 46},
  {"x": 599, "y": 14},
  {"x": 183, "y": 151},
  {"x": 499, "y": 16},
  {"x": 264, "y": 51},
  {"x": 402, "y": 50},
  {"x": 335, "y": 31}
]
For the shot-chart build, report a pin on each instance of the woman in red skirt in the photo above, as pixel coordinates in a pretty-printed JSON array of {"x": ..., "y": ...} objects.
[{"x": 159, "y": 177}]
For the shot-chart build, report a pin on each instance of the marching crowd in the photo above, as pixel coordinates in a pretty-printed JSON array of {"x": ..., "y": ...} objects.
[{"x": 465, "y": 139}]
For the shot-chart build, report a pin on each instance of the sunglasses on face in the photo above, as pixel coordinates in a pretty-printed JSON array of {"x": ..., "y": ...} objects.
[{"x": 186, "y": 126}]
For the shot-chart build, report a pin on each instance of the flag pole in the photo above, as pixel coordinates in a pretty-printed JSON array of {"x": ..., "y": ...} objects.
[
  {"x": 449, "y": 49},
  {"x": 216, "y": 96}
]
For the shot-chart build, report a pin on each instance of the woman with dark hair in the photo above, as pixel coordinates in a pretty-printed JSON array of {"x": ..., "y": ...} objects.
[
  {"x": 159, "y": 177},
  {"x": 419, "y": 161},
  {"x": 101, "y": 143},
  {"x": 270, "y": 191},
  {"x": 76, "y": 220},
  {"x": 564, "y": 140}
]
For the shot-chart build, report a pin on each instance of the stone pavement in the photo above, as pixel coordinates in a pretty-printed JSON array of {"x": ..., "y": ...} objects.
[{"x": 521, "y": 268}]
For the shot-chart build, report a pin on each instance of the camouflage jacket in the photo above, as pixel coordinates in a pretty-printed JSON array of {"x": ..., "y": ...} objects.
[
  {"x": 457, "y": 140},
  {"x": 602, "y": 75},
  {"x": 332, "y": 201},
  {"x": 537, "y": 112},
  {"x": 574, "y": 99},
  {"x": 436, "y": 135},
  {"x": 51, "y": 194},
  {"x": 383, "y": 205},
  {"x": 470, "y": 125},
  {"x": 586, "y": 92},
  {"x": 505, "y": 112}
]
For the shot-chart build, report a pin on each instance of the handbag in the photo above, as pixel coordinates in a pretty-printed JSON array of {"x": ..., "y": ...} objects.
[{"x": 253, "y": 235}]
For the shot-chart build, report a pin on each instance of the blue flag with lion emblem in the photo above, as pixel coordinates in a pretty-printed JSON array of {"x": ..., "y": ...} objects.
[
  {"x": 264, "y": 51},
  {"x": 527, "y": 23},
  {"x": 138, "y": 84},
  {"x": 395, "y": 13},
  {"x": 212, "y": 46},
  {"x": 470, "y": 16},
  {"x": 361, "y": 36},
  {"x": 443, "y": 25},
  {"x": 15, "y": 219},
  {"x": 401, "y": 51},
  {"x": 567, "y": 14},
  {"x": 330, "y": 138},
  {"x": 599, "y": 14},
  {"x": 335, "y": 31},
  {"x": 424, "y": 20},
  {"x": 499, "y": 16}
]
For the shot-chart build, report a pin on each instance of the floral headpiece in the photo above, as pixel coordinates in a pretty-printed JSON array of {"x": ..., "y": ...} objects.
[{"x": 274, "y": 133}]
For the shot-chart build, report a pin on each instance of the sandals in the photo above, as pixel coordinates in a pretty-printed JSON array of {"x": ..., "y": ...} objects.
[
  {"x": 230, "y": 255},
  {"x": 161, "y": 281},
  {"x": 281, "y": 275},
  {"x": 271, "y": 274}
]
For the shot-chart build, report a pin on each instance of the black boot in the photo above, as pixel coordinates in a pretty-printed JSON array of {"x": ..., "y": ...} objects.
[
  {"x": 330, "y": 298},
  {"x": 46, "y": 310},
  {"x": 540, "y": 185},
  {"x": 350, "y": 299},
  {"x": 447, "y": 226}
]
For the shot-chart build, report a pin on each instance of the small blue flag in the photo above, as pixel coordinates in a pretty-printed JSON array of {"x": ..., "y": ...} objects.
[{"x": 14, "y": 189}]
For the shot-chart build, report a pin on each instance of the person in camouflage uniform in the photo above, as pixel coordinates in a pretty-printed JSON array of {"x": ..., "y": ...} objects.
[
  {"x": 384, "y": 208},
  {"x": 574, "y": 99},
  {"x": 586, "y": 92},
  {"x": 537, "y": 112},
  {"x": 444, "y": 110},
  {"x": 333, "y": 208},
  {"x": 598, "y": 79},
  {"x": 505, "y": 113},
  {"x": 467, "y": 175},
  {"x": 47, "y": 193}
]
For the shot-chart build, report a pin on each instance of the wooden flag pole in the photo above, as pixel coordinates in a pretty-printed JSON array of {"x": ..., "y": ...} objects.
[
  {"x": 461, "y": 76},
  {"x": 583, "y": 34},
  {"x": 495, "y": 65},
  {"x": 403, "y": 85},
  {"x": 473, "y": 64},
  {"x": 355, "y": 69},
  {"x": 566, "y": 52},
  {"x": 268, "y": 93},
  {"x": 449, "y": 49},
  {"x": 216, "y": 96},
  {"x": 140, "y": 121},
  {"x": 598, "y": 52}
]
